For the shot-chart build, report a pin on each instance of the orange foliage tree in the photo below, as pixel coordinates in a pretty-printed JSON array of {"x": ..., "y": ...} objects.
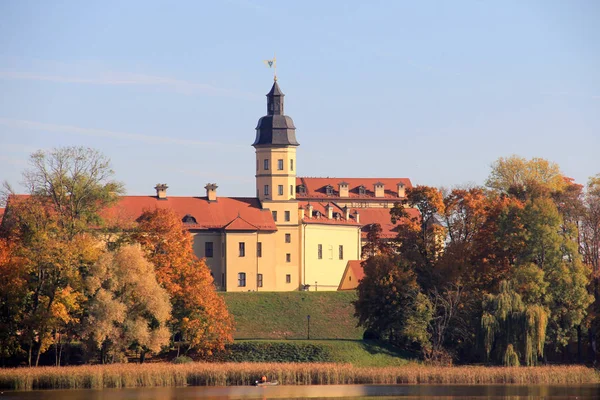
[{"x": 199, "y": 313}]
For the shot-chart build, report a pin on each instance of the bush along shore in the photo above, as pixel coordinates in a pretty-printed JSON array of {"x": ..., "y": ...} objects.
[{"x": 230, "y": 374}]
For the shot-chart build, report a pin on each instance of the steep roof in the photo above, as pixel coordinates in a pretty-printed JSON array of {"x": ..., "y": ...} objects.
[
  {"x": 226, "y": 212},
  {"x": 316, "y": 187}
]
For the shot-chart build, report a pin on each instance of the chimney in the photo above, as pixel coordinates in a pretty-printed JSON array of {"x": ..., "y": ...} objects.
[
  {"x": 357, "y": 217},
  {"x": 309, "y": 208},
  {"x": 161, "y": 191},
  {"x": 211, "y": 191},
  {"x": 379, "y": 190},
  {"x": 347, "y": 213},
  {"x": 329, "y": 211},
  {"x": 343, "y": 189},
  {"x": 401, "y": 190},
  {"x": 301, "y": 213}
]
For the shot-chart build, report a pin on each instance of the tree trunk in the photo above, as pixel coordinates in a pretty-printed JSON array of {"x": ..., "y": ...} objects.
[
  {"x": 37, "y": 357},
  {"x": 142, "y": 356},
  {"x": 29, "y": 352}
]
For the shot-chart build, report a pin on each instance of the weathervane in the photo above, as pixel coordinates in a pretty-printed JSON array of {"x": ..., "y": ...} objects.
[{"x": 272, "y": 64}]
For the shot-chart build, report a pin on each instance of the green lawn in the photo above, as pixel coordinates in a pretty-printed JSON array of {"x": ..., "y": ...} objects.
[{"x": 283, "y": 315}]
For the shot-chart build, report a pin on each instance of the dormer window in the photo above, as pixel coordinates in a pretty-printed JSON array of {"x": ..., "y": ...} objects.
[
  {"x": 362, "y": 191},
  {"x": 302, "y": 189},
  {"x": 329, "y": 190},
  {"x": 189, "y": 219}
]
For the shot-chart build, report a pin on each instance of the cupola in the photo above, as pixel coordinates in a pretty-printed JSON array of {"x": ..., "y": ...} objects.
[{"x": 275, "y": 128}]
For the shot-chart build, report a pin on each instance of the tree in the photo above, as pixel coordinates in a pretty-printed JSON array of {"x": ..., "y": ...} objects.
[
  {"x": 13, "y": 292},
  {"x": 390, "y": 303},
  {"x": 127, "y": 305},
  {"x": 420, "y": 240},
  {"x": 76, "y": 181},
  {"x": 375, "y": 244},
  {"x": 199, "y": 313},
  {"x": 53, "y": 230},
  {"x": 516, "y": 172}
]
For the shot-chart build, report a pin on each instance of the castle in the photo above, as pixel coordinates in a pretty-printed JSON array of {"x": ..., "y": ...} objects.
[{"x": 298, "y": 233}]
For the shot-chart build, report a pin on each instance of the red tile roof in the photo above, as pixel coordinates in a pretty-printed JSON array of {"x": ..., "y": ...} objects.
[
  {"x": 315, "y": 187},
  {"x": 322, "y": 218},
  {"x": 239, "y": 213},
  {"x": 1, "y": 214},
  {"x": 357, "y": 269},
  {"x": 240, "y": 224},
  {"x": 381, "y": 216}
]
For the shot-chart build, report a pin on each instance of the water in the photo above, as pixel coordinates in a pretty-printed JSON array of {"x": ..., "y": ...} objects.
[{"x": 316, "y": 392}]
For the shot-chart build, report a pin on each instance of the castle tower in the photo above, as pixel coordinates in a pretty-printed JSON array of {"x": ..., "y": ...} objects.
[{"x": 275, "y": 146}]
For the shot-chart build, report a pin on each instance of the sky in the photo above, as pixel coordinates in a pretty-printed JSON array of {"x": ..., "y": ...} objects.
[{"x": 171, "y": 92}]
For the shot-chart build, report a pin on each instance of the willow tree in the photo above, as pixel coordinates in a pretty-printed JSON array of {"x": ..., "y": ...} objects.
[
  {"x": 512, "y": 328},
  {"x": 127, "y": 306}
]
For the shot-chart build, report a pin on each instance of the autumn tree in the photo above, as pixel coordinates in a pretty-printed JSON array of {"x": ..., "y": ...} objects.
[
  {"x": 421, "y": 238},
  {"x": 514, "y": 173},
  {"x": 13, "y": 292},
  {"x": 127, "y": 306},
  {"x": 375, "y": 244},
  {"x": 53, "y": 230},
  {"x": 199, "y": 313}
]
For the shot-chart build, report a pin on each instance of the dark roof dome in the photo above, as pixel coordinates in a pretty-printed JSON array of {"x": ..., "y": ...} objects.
[{"x": 275, "y": 128}]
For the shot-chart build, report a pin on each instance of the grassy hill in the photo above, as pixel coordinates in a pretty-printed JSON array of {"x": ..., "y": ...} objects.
[{"x": 282, "y": 315}]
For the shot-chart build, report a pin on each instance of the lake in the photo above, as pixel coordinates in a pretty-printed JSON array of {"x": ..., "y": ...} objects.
[{"x": 591, "y": 391}]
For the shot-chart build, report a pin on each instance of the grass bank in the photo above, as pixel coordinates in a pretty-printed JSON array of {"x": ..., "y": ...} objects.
[
  {"x": 209, "y": 374},
  {"x": 282, "y": 315}
]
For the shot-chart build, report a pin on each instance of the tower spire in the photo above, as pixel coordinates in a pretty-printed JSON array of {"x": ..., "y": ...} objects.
[{"x": 275, "y": 100}]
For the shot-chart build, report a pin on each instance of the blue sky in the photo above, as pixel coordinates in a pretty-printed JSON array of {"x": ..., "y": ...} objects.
[{"x": 172, "y": 91}]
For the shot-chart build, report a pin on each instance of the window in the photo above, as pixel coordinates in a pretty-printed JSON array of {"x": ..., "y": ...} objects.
[
  {"x": 288, "y": 278},
  {"x": 292, "y": 164},
  {"x": 242, "y": 279},
  {"x": 266, "y": 164},
  {"x": 274, "y": 215},
  {"x": 280, "y": 190},
  {"x": 329, "y": 190},
  {"x": 242, "y": 249},
  {"x": 208, "y": 249},
  {"x": 302, "y": 189},
  {"x": 259, "y": 280},
  {"x": 288, "y": 257},
  {"x": 280, "y": 165},
  {"x": 259, "y": 249},
  {"x": 288, "y": 238},
  {"x": 291, "y": 190},
  {"x": 257, "y": 165},
  {"x": 320, "y": 251},
  {"x": 341, "y": 252},
  {"x": 287, "y": 216},
  {"x": 266, "y": 190},
  {"x": 361, "y": 190}
]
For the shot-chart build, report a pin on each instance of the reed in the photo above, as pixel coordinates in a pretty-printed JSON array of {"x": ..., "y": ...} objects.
[{"x": 227, "y": 374}]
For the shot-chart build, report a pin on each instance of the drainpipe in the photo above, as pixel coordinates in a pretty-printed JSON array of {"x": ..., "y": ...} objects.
[
  {"x": 256, "y": 249},
  {"x": 304, "y": 254}
]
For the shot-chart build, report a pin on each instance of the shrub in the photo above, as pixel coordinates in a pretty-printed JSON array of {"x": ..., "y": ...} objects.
[{"x": 182, "y": 360}]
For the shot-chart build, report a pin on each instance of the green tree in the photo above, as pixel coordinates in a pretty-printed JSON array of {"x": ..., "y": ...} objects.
[{"x": 390, "y": 303}]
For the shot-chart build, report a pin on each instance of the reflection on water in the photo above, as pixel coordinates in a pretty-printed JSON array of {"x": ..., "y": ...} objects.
[{"x": 316, "y": 392}]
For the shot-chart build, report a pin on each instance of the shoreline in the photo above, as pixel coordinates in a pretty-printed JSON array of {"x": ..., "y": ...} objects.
[{"x": 244, "y": 374}]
